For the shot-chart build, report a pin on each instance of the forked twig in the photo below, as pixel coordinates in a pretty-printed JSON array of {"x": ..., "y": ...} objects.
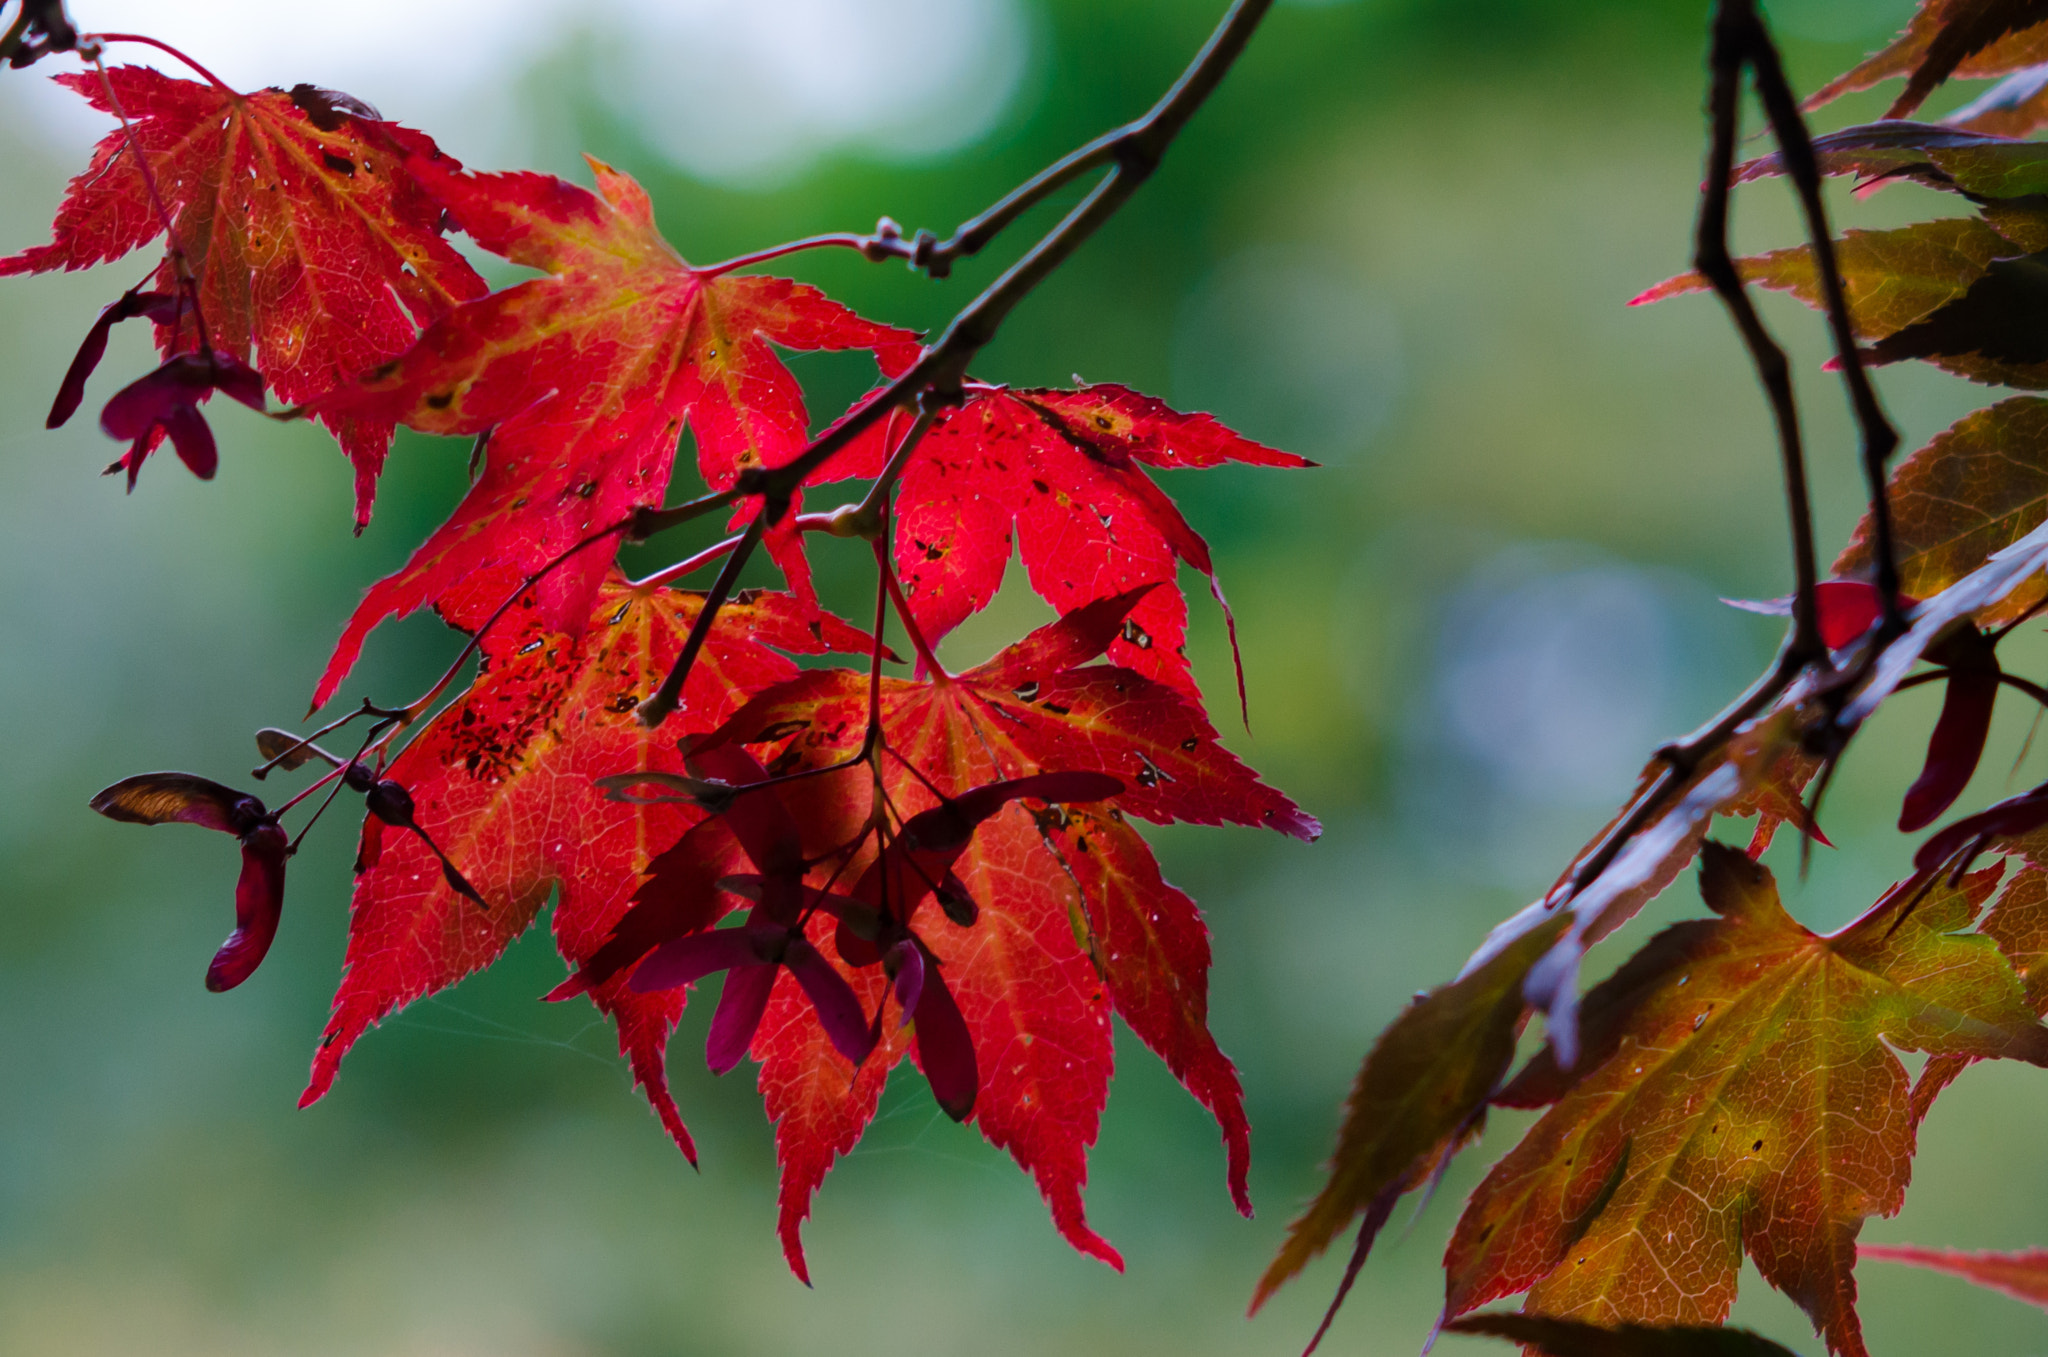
[
  {"x": 1133, "y": 152},
  {"x": 1740, "y": 41}
]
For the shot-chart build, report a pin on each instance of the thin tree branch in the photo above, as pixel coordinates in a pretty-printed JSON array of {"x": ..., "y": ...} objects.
[
  {"x": 1740, "y": 40},
  {"x": 1138, "y": 152},
  {"x": 942, "y": 367},
  {"x": 208, "y": 76},
  {"x": 655, "y": 708},
  {"x": 1795, "y": 148},
  {"x": 1729, "y": 49}
]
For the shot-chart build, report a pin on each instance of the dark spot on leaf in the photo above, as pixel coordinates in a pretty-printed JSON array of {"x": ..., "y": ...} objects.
[
  {"x": 338, "y": 163},
  {"x": 440, "y": 400},
  {"x": 781, "y": 730},
  {"x": 328, "y": 110},
  {"x": 1028, "y": 691}
]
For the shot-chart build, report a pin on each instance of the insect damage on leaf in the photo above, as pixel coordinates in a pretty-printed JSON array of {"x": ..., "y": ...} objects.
[{"x": 504, "y": 780}]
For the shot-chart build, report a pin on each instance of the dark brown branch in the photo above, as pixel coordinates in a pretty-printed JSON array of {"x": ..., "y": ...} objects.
[
  {"x": 1795, "y": 148},
  {"x": 1740, "y": 40},
  {"x": 1139, "y": 150},
  {"x": 1136, "y": 151},
  {"x": 1730, "y": 46},
  {"x": 655, "y": 708}
]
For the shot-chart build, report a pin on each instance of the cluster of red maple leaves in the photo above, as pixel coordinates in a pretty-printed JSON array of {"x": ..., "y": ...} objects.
[
  {"x": 943, "y": 865},
  {"x": 937, "y": 865}
]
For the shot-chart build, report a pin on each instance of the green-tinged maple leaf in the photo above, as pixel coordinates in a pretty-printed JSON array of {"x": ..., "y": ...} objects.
[
  {"x": 315, "y": 250},
  {"x": 1941, "y": 157},
  {"x": 1991, "y": 334},
  {"x": 1891, "y": 278},
  {"x": 1970, "y": 38},
  {"x": 503, "y": 781},
  {"x": 1553, "y": 1337},
  {"x": 1429, "y": 1073},
  {"x": 1403, "y": 1117},
  {"x": 2022, "y": 1275},
  {"x": 2018, "y": 923},
  {"x": 584, "y": 380},
  {"x": 1975, "y": 489},
  {"x": 1736, "y": 1093}
]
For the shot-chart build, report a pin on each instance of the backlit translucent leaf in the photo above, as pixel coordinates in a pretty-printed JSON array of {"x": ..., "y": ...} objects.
[
  {"x": 1739, "y": 1094},
  {"x": 1976, "y": 488},
  {"x": 316, "y": 250},
  {"x": 1970, "y": 38}
]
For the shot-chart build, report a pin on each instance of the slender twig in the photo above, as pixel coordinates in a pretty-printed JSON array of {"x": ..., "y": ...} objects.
[
  {"x": 413, "y": 710},
  {"x": 1138, "y": 150},
  {"x": 264, "y": 769},
  {"x": 1795, "y": 149},
  {"x": 1730, "y": 48},
  {"x": 655, "y": 708},
  {"x": 208, "y": 76},
  {"x": 926, "y": 660},
  {"x": 682, "y": 569},
  {"x": 647, "y": 523},
  {"x": 2031, "y": 689},
  {"x": 935, "y": 379},
  {"x": 1740, "y": 40},
  {"x": 846, "y": 239},
  {"x": 10, "y": 42}
]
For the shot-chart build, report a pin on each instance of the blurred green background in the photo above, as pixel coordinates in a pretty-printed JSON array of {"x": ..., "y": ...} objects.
[{"x": 1399, "y": 240}]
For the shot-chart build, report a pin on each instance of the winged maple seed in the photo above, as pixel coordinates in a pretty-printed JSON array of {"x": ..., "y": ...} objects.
[
  {"x": 945, "y": 867},
  {"x": 167, "y": 798}
]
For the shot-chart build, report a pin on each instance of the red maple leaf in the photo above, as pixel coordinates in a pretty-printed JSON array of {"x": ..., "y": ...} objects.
[
  {"x": 311, "y": 245},
  {"x": 1064, "y": 471},
  {"x": 584, "y": 380},
  {"x": 503, "y": 782},
  {"x": 1069, "y": 918}
]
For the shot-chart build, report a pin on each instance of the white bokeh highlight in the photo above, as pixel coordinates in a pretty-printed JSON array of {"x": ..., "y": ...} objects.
[{"x": 749, "y": 93}]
